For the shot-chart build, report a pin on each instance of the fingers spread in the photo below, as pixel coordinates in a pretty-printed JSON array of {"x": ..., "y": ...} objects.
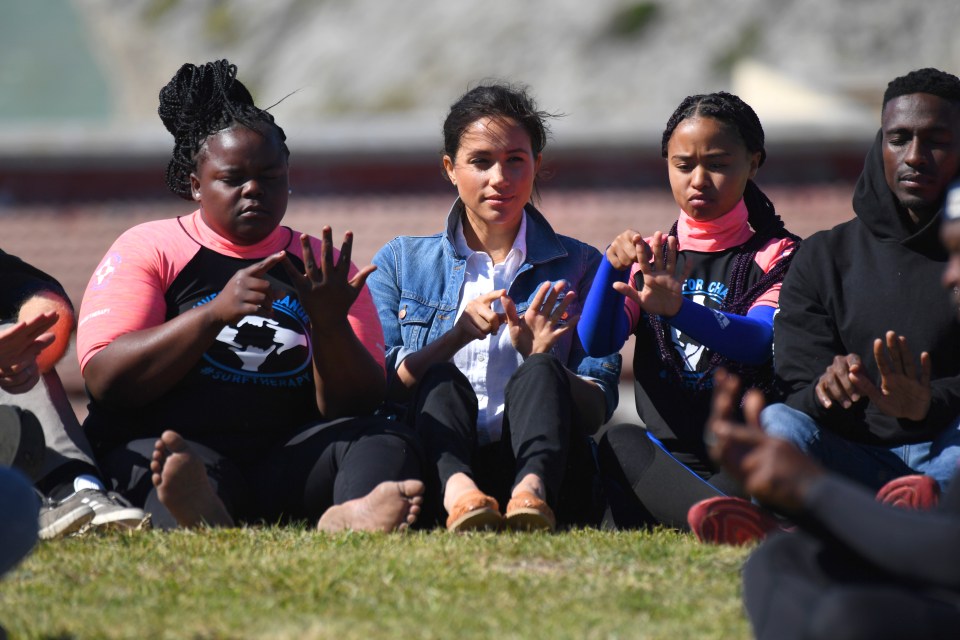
[
  {"x": 726, "y": 388},
  {"x": 561, "y": 309},
  {"x": 626, "y": 290},
  {"x": 509, "y": 311},
  {"x": 346, "y": 251},
  {"x": 261, "y": 268},
  {"x": 360, "y": 279},
  {"x": 753, "y": 404}
]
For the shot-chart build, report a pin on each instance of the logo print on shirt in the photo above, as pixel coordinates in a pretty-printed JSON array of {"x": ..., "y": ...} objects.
[
  {"x": 106, "y": 269},
  {"x": 258, "y": 347},
  {"x": 707, "y": 294}
]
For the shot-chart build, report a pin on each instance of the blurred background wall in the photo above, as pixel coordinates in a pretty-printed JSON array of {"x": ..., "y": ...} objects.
[{"x": 361, "y": 88}]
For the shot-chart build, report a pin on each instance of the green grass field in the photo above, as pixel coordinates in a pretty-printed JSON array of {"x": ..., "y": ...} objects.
[{"x": 294, "y": 583}]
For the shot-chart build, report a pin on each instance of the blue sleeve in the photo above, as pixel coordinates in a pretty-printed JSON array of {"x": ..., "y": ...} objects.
[
  {"x": 384, "y": 287},
  {"x": 746, "y": 339},
  {"x": 604, "y": 326}
]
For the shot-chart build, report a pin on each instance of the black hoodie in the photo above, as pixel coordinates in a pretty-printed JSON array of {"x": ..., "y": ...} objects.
[{"x": 850, "y": 285}]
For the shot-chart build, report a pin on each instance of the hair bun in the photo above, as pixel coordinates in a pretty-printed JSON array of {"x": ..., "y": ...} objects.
[
  {"x": 198, "y": 96},
  {"x": 198, "y": 102}
]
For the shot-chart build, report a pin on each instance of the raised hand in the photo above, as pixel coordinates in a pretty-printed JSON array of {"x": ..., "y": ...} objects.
[
  {"x": 904, "y": 392},
  {"x": 625, "y": 250},
  {"x": 661, "y": 293},
  {"x": 770, "y": 469},
  {"x": 539, "y": 328},
  {"x": 20, "y": 345},
  {"x": 729, "y": 441},
  {"x": 247, "y": 292},
  {"x": 479, "y": 319},
  {"x": 327, "y": 292}
]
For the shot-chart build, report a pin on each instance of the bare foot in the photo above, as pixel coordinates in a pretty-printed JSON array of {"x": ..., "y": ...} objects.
[
  {"x": 390, "y": 506},
  {"x": 182, "y": 484}
]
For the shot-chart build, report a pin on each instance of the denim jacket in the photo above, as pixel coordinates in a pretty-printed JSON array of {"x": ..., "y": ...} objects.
[{"x": 418, "y": 281}]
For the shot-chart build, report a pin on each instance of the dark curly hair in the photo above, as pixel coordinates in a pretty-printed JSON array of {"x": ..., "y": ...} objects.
[
  {"x": 734, "y": 112},
  {"x": 198, "y": 102},
  {"x": 928, "y": 80}
]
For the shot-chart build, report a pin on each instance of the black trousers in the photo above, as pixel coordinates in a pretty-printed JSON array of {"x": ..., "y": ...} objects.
[
  {"x": 540, "y": 436},
  {"x": 798, "y": 586},
  {"x": 323, "y": 465},
  {"x": 646, "y": 485}
]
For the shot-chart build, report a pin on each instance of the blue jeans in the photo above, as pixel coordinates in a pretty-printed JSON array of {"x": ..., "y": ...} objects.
[
  {"x": 19, "y": 507},
  {"x": 870, "y": 465}
]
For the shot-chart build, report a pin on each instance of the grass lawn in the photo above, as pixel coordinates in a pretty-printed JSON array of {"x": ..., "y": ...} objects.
[{"x": 294, "y": 583}]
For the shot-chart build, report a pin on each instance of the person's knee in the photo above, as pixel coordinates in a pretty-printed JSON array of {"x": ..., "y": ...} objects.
[
  {"x": 442, "y": 375},
  {"x": 845, "y": 614},
  {"x": 441, "y": 380},
  {"x": 391, "y": 435},
  {"x": 625, "y": 442},
  {"x": 781, "y": 421},
  {"x": 538, "y": 367}
]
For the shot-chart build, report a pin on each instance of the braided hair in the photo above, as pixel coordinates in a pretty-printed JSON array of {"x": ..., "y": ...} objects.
[
  {"x": 198, "y": 102},
  {"x": 730, "y": 110}
]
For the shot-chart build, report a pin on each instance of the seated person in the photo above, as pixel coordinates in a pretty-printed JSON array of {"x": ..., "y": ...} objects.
[
  {"x": 479, "y": 325},
  {"x": 862, "y": 296},
  {"x": 701, "y": 296},
  {"x": 233, "y": 364},
  {"x": 36, "y": 321},
  {"x": 855, "y": 567}
]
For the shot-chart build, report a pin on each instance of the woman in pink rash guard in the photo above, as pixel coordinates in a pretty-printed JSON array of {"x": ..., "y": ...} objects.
[{"x": 226, "y": 365}]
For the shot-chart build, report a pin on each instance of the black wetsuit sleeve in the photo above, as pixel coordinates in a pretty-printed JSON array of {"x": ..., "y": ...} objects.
[
  {"x": 922, "y": 546},
  {"x": 19, "y": 281}
]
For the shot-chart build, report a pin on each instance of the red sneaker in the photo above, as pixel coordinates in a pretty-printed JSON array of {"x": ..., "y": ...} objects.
[
  {"x": 733, "y": 521},
  {"x": 910, "y": 492}
]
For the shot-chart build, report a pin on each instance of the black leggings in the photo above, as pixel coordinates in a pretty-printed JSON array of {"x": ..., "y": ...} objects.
[
  {"x": 645, "y": 485},
  {"x": 799, "y": 586},
  {"x": 540, "y": 436},
  {"x": 323, "y": 465}
]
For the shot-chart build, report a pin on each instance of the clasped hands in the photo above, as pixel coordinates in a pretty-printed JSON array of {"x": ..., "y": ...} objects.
[
  {"x": 662, "y": 289},
  {"x": 903, "y": 391},
  {"x": 536, "y": 331}
]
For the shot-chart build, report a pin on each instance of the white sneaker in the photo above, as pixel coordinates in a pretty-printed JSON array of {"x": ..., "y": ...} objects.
[
  {"x": 60, "y": 519},
  {"x": 110, "y": 509}
]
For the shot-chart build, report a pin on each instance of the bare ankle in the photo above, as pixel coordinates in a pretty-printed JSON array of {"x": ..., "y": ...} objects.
[
  {"x": 530, "y": 483},
  {"x": 457, "y": 485}
]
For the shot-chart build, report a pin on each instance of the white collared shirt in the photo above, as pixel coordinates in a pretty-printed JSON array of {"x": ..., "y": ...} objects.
[{"x": 489, "y": 363}]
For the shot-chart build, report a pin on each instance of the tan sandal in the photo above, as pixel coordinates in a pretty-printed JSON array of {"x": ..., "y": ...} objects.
[
  {"x": 527, "y": 512},
  {"x": 475, "y": 511}
]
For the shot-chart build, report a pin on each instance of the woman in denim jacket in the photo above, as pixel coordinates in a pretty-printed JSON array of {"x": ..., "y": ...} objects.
[{"x": 478, "y": 323}]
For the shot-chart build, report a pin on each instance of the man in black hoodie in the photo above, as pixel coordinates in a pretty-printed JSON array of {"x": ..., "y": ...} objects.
[{"x": 862, "y": 298}]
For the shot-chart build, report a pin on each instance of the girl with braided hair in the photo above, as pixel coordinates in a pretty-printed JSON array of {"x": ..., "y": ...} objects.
[
  {"x": 697, "y": 298},
  {"x": 227, "y": 357}
]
